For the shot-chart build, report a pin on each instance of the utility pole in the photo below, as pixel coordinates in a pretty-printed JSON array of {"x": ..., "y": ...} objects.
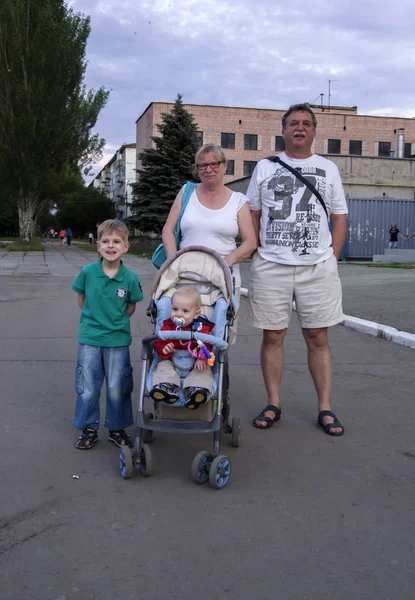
[{"x": 330, "y": 81}]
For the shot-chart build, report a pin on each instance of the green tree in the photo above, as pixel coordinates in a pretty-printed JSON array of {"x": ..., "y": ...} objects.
[
  {"x": 165, "y": 168},
  {"x": 46, "y": 112},
  {"x": 82, "y": 209},
  {"x": 9, "y": 222}
]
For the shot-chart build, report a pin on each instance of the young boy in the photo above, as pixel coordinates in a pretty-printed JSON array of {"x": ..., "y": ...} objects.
[
  {"x": 176, "y": 360},
  {"x": 107, "y": 295}
]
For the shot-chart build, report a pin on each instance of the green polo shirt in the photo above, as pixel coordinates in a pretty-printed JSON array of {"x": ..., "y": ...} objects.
[{"x": 104, "y": 318}]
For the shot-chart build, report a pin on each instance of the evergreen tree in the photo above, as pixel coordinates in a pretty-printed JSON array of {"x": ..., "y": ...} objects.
[
  {"x": 165, "y": 168},
  {"x": 46, "y": 113}
]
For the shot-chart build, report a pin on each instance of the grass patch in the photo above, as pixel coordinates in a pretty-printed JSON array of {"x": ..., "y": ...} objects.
[
  {"x": 142, "y": 252},
  {"x": 392, "y": 266},
  {"x": 35, "y": 245}
]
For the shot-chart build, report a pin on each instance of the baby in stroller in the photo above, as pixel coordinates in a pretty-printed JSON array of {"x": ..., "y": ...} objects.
[
  {"x": 189, "y": 360},
  {"x": 193, "y": 281}
]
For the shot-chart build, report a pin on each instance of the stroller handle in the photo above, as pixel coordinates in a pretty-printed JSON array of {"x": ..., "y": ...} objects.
[{"x": 192, "y": 335}]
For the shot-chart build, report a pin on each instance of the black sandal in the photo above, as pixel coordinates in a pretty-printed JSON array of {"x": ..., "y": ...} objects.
[
  {"x": 269, "y": 422},
  {"x": 329, "y": 426},
  {"x": 88, "y": 438},
  {"x": 120, "y": 438}
]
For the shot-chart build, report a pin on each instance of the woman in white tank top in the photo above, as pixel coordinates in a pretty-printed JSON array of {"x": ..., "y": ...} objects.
[{"x": 214, "y": 216}]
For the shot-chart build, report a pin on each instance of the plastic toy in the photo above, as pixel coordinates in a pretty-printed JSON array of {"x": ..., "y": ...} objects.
[{"x": 200, "y": 351}]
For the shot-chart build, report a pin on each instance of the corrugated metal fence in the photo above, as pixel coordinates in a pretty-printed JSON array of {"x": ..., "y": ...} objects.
[{"x": 369, "y": 222}]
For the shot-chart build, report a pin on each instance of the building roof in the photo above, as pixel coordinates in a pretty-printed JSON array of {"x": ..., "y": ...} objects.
[{"x": 323, "y": 109}]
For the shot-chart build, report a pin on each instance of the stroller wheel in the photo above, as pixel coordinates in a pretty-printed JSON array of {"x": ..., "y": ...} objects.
[
  {"x": 199, "y": 471},
  {"x": 236, "y": 432},
  {"x": 220, "y": 472},
  {"x": 125, "y": 460},
  {"x": 146, "y": 461}
]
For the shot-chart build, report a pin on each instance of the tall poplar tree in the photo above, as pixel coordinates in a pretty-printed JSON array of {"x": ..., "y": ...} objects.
[
  {"x": 164, "y": 168},
  {"x": 46, "y": 112}
]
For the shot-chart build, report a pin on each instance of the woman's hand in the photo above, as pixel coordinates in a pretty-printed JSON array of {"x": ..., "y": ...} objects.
[
  {"x": 201, "y": 365},
  {"x": 229, "y": 261},
  {"x": 168, "y": 348}
]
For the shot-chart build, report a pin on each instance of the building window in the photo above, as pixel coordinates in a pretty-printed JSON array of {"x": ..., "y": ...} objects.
[
  {"x": 227, "y": 140},
  {"x": 249, "y": 166},
  {"x": 384, "y": 148},
  {"x": 199, "y": 135},
  {"x": 333, "y": 146},
  {"x": 355, "y": 147},
  {"x": 250, "y": 142},
  {"x": 407, "y": 153},
  {"x": 231, "y": 167},
  {"x": 279, "y": 143}
]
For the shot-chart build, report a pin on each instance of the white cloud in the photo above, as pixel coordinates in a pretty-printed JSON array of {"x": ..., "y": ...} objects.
[{"x": 268, "y": 54}]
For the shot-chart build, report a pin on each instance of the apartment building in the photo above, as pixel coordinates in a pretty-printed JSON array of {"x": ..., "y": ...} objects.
[
  {"x": 116, "y": 177},
  {"x": 250, "y": 134}
]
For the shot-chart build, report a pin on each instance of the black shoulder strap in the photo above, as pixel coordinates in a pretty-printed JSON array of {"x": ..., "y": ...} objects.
[{"x": 301, "y": 178}]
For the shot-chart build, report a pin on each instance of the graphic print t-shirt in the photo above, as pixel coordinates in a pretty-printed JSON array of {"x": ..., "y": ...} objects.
[{"x": 294, "y": 226}]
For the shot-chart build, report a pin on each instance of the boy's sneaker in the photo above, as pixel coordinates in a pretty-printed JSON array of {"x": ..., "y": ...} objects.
[
  {"x": 88, "y": 438},
  {"x": 196, "y": 397},
  {"x": 120, "y": 438},
  {"x": 165, "y": 392}
]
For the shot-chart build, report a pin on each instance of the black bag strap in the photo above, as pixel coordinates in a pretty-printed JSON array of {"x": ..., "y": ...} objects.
[{"x": 301, "y": 178}]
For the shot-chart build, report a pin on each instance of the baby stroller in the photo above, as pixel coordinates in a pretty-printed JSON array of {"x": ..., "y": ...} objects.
[{"x": 205, "y": 270}]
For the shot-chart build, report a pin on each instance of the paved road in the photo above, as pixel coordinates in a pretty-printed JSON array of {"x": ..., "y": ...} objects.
[
  {"x": 305, "y": 517},
  {"x": 383, "y": 295}
]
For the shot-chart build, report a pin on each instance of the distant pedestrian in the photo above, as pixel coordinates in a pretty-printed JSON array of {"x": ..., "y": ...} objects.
[
  {"x": 69, "y": 235},
  {"x": 62, "y": 236},
  {"x": 91, "y": 237},
  {"x": 394, "y": 233}
]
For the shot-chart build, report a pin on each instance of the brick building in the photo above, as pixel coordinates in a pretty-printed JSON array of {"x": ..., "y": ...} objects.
[{"x": 249, "y": 134}]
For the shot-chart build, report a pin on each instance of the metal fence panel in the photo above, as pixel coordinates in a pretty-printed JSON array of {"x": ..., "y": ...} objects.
[{"x": 369, "y": 222}]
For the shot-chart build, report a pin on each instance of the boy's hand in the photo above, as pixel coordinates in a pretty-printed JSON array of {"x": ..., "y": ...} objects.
[
  {"x": 201, "y": 365},
  {"x": 168, "y": 348}
]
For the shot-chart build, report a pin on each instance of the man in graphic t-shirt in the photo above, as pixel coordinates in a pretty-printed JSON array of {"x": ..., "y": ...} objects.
[{"x": 297, "y": 260}]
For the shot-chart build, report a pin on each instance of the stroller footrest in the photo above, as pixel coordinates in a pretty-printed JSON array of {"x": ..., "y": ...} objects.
[{"x": 173, "y": 426}]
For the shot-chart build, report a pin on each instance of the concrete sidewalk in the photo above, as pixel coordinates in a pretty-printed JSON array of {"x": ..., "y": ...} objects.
[
  {"x": 383, "y": 295},
  {"x": 305, "y": 516},
  {"x": 56, "y": 260}
]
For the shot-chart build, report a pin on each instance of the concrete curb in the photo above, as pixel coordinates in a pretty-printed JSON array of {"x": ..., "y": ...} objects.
[{"x": 370, "y": 328}]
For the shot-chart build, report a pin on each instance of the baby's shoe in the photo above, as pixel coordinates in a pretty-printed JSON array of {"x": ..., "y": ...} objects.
[
  {"x": 196, "y": 397},
  {"x": 165, "y": 392}
]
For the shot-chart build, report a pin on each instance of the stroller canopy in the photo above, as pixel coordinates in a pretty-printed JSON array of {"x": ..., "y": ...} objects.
[{"x": 201, "y": 267}]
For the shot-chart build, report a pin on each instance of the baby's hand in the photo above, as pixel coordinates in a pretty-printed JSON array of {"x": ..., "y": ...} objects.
[
  {"x": 201, "y": 365},
  {"x": 168, "y": 348}
]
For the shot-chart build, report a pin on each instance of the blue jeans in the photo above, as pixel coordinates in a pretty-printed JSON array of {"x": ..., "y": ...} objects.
[{"x": 95, "y": 364}]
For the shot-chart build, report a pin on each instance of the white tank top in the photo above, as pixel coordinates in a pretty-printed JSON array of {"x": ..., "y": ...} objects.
[{"x": 215, "y": 229}]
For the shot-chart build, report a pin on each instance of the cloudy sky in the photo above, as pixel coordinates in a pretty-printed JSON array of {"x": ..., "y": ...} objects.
[{"x": 254, "y": 53}]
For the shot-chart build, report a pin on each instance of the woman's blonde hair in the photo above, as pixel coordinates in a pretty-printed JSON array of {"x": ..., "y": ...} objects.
[{"x": 208, "y": 149}]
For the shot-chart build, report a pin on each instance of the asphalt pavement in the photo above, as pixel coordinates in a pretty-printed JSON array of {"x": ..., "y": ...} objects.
[{"x": 304, "y": 517}]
